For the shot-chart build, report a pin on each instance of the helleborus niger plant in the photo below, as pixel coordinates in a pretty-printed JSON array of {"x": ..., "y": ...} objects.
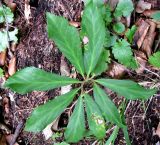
[{"x": 89, "y": 61}]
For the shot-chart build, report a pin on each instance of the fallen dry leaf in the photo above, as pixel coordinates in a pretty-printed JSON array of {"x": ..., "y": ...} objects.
[
  {"x": 141, "y": 32},
  {"x": 142, "y": 6},
  {"x": 75, "y": 24},
  {"x": 13, "y": 46},
  {"x": 142, "y": 60},
  {"x": 2, "y": 58},
  {"x": 3, "y": 140},
  {"x": 10, "y": 4},
  {"x": 116, "y": 70},
  {"x": 6, "y": 105},
  {"x": 65, "y": 71},
  {"x": 149, "y": 39},
  {"x": 12, "y": 66}
]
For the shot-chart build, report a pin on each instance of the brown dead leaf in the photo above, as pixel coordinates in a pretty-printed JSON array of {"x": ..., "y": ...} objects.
[
  {"x": 2, "y": 58},
  {"x": 10, "y": 4},
  {"x": 142, "y": 6},
  {"x": 149, "y": 39},
  {"x": 142, "y": 60},
  {"x": 141, "y": 32},
  {"x": 116, "y": 70},
  {"x": 75, "y": 24},
  {"x": 3, "y": 140},
  {"x": 113, "y": 4},
  {"x": 6, "y": 105},
  {"x": 12, "y": 66},
  {"x": 65, "y": 71},
  {"x": 13, "y": 46}
]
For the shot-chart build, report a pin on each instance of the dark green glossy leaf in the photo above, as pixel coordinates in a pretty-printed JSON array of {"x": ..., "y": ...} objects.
[
  {"x": 94, "y": 117},
  {"x": 108, "y": 108},
  {"x": 31, "y": 78},
  {"x": 102, "y": 64},
  {"x": 113, "y": 136},
  {"x": 67, "y": 39},
  {"x": 127, "y": 88},
  {"x": 45, "y": 114},
  {"x": 76, "y": 128},
  {"x": 93, "y": 28}
]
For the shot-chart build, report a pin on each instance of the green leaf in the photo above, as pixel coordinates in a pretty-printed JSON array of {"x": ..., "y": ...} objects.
[
  {"x": 156, "y": 16},
  {"x": 130, "y": 33},
  {"x": 110, "y": 40},
  {"x": 1, "y": 72},
  {"x": 113, "y": 136},
  {"x": 155, "y": 59},
  {"x": 96, "y": 2},
  {"x": 94, "y": 117},
  {"x": 94, "y": 28},
  {"x": 127, "y": 88},
  {"x": 67, "y": 39},
  {"x": 119, "y": 27},
  {"x": 12, "y": 35},
  {"x": 6, "y": 39},
  {"x": 102, "y": 64},
  {"x": 108, "y": 108},
  {"x": 76, "y": 128},
  {"x": 6, "y": 14},
  {"x": 4, "y": 43},
  {"x": 45, "y": 114},
  {"x": 31, "y": 78},
  {"x": 122, "y": 51},
  {"x": 108, "y": 16},
  {"x": 124, "y": 8}
]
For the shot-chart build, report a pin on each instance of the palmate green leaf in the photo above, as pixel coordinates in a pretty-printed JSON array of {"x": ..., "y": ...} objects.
[
  {"x": 93, "y": 27},
  {"x": 119, "y": 27},
  {"x": 155, "y": 59},
  {"x": 31, "y": 78},
  {"x": 108, "y": 108},
  {"x": 94, "y": 117},
  {"x": 102, "y": 64},
  {"x": 96, "y": 2},
  {"x": 45, "y": 114},
  {"x": 67, "y": 39},
  {"x": 156, "y": 16},
  {"x": 127, "y": 88},
  {"x": 130, "y": 33},
  {"x": 124, "y": 8},
  {"x": 76, "y": 127},
  {"x": 113, "y": 137},
  {"x": 122, "y": 51}
]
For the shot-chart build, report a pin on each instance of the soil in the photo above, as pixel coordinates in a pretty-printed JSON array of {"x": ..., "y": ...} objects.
[{"x": 35, "y": 49}]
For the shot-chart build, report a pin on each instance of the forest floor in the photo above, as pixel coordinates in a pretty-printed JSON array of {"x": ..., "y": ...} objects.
[{"x": 35, "y": 49}]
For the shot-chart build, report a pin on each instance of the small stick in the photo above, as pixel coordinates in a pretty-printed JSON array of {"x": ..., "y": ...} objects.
[{"x": 16, "y": 133}]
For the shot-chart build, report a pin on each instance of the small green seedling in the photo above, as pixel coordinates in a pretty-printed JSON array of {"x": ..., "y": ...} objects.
[
  {"x": 89, "y": 60},
  {"x": 7, "y": 34}
]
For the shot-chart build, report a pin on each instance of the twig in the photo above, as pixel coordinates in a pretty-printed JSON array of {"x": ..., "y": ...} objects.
[{"x": 16, "y": 133}]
